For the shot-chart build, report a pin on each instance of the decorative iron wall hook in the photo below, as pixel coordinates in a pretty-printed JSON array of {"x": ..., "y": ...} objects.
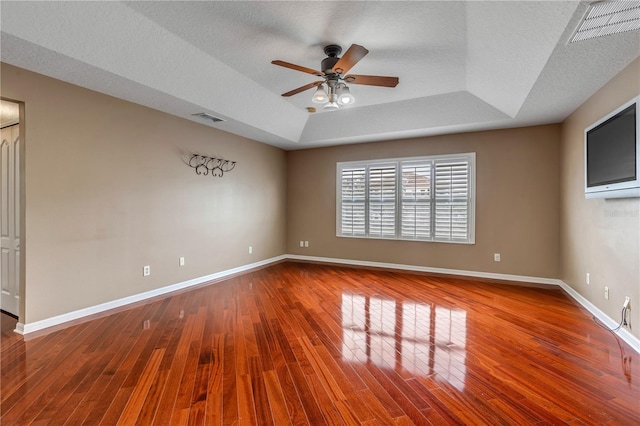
[{"x": 210, "y": 165}]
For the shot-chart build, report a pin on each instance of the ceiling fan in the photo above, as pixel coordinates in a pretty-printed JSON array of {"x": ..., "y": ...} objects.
[{"x": 334, "y": 76}]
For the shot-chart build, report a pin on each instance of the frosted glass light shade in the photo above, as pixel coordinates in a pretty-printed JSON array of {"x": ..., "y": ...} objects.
[
  {"x": 320, "y": 96},
  {"x": 344, "y": 95},
  {"x": 331, "y": 105}
]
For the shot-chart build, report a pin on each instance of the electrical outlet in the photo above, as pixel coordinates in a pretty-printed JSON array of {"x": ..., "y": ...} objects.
[
  {"x": 496, "y": 257},
  {"x": 587, "y": 279},
  {"x": 306, "y": 243},
  {"x": 181, "y": 261},
  {"x": 146, "y": 271},
  {"x": 625, "y": 312},
  {"x": 301, "y": 243},
  {"x": 606, "y": 293},
  {"x": 250, "y": 249}
]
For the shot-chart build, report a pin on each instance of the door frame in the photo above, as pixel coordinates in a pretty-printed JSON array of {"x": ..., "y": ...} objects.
[{"x": 22, "y": 201}]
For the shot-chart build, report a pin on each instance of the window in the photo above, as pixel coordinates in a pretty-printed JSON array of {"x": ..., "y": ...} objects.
[{"x": 422, "y": 198}]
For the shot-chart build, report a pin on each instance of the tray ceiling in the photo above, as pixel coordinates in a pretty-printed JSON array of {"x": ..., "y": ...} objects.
[{"x": 463, "y": 66}]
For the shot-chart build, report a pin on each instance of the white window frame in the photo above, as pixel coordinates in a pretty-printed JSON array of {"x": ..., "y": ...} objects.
[{"x": 469, "y": 158}]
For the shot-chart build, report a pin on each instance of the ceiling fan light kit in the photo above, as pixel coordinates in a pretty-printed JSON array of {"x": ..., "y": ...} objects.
[
  {"x": 333, "y": 72},
  {"x": 339, "y": 95}
]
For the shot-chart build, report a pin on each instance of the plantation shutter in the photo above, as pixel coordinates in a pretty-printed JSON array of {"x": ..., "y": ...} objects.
[
  {"x": 419, "y": 198},
  {"x": 416, "y": 200},
  {"x": 382, "y": 201},
  {"x": 452, "y": 200},
  {"x": 353, "y": 190}
]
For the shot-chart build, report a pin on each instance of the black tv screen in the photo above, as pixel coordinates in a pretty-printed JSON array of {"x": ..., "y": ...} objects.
[{"x": 611, "y": 150}]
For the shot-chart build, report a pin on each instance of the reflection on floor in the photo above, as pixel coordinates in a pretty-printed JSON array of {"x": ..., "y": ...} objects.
[{"x": 425, "y": 340}]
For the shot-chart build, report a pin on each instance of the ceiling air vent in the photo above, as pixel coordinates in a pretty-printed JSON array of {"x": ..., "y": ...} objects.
[
  {"x": 208, "y": 117},
  {"x": 608, "y": 17}
]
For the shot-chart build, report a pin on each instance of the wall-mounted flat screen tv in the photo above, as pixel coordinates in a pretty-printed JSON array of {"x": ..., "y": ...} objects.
[{"x": 612, "y": 154}]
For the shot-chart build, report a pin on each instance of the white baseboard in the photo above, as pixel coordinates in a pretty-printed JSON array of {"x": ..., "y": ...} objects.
[
  {"x": 624, "y": 334},
  {"x": 19, "y": 328},
  {"x": 28, "y": 328},
  {"x": 414, "y": 268},
  {"x": 32, "y": 327}
]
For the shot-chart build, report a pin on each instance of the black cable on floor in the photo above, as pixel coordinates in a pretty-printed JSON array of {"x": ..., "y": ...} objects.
[
  {"x": 601, "y": 324},
  {"x": 626, "y": 360}
]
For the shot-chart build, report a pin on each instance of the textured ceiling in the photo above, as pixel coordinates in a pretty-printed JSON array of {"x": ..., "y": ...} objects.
[{"x": 462, "y": 66}]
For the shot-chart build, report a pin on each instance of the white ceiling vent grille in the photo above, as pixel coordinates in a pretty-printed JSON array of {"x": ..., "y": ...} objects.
[
  {"x": 608, "y": 17},
  {"x": 208, "y": 117}
]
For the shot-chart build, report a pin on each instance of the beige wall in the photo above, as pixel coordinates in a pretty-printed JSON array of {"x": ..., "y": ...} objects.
[
  {"x": 107, "y": 192},
  {"x": 601, "y": 237},
  {"x": 517, "y": 208}
]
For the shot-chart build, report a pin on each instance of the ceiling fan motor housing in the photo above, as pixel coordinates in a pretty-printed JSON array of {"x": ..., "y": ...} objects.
[{"x": 332, "y": 51}]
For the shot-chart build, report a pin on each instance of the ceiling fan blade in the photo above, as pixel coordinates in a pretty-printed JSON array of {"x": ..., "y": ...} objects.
[
  {"x": 350, "y": 58},
  {"x": 297, "y": 68},
  {"x": 372, "y": 80},
  {"x": 303, "y": 88}
]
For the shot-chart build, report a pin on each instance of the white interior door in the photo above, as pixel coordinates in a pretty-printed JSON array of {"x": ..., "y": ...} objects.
[{"x": 10, "y": 219}]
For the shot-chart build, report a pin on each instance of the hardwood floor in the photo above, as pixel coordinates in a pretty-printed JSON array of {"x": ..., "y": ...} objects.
[{"x": 313, "y": 344}]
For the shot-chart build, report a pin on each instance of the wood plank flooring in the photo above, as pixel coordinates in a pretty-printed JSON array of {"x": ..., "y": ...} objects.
[{"x": 307, "y": 344}]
